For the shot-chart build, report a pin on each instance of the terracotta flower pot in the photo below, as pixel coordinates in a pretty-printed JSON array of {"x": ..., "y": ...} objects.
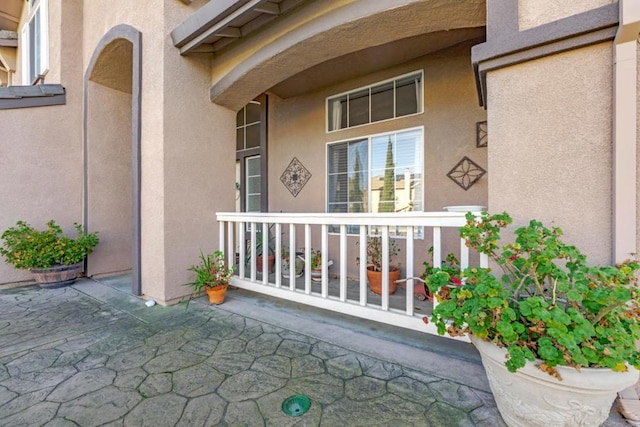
[
  {"x": 57, "y": 276},
  {"x": 216, "y": 294},
  {"x": 375, "y": 279},
  {"x": 271, "y": 262}
]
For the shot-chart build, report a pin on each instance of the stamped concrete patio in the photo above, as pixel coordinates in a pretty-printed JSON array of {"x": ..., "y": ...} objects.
[{"x": 92, "y": 354}]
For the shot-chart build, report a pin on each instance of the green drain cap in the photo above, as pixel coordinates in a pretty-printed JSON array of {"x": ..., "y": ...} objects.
[{"x": 296, "y": 405}]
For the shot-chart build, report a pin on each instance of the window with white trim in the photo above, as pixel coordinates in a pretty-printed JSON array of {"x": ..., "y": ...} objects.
[
  {"x": 389, "y": 99},
  {"x": 377, "y": 173},
  {"x": 35, "y": 41}
]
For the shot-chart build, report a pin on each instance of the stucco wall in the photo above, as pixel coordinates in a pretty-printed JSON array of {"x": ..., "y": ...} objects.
[
  {"x": 550, "y": 145},
  {"x": 187, "y": 144},
  {"x": 532, "y": 13},
  {"x": 297, "y": 129},
  {"x": 41, "y": 148},
  {"x": 638, "y": 146}
]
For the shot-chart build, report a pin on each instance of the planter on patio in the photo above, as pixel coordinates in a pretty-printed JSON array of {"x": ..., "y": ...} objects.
[
  {"x": 531, "y": 397},
  {"x": 57, "y": 276},
  {"x": 216, "y": 294},
  {"x": 375, "y": 279}
]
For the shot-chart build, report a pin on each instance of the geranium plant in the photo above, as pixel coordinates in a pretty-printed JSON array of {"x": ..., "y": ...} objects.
[
  {"x": 548, "y": 305},
  {"x": 374, "y": 252},
  {"x": 28, "y": 248}
]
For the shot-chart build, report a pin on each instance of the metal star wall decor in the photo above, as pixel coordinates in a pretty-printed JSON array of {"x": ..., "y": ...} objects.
[
  {"x": 482, "y": 136},
  {"x": 295, "y": 176},
  {"x": 466, "y": 173}
]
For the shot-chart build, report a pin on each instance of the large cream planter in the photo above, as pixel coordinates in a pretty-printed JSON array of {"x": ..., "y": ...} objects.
[{"x": 530, "y": 397}]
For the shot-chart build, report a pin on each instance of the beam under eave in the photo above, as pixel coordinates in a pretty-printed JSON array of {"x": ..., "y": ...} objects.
[
  {"x": 269, "y": 8},
  {"x": 9, "y": 17},
  {"x": 233, "y": 32}
]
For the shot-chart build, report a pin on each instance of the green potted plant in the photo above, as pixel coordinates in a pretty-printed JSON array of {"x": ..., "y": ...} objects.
[
  {"x": 53, "y": 258},
  {"x": 374, "y": 264},
  {"x": 261, "y": 242},
  {"x": 451, "y": 264},
  {"x": 557, "y": 337},
  {"x": 212, "y": 276}
]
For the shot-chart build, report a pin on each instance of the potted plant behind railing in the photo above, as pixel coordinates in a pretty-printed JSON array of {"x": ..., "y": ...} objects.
[
  {"x": 55, "y": 260},
  {"x": 212, "y": 276},
  {"x": 298, "y": 263},
  {"x": 557, "y": 337},
  {"x": 374, "y": 264}
]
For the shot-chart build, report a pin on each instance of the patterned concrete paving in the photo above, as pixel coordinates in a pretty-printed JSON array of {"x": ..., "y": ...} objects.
[{"x": 90, "y": 355}]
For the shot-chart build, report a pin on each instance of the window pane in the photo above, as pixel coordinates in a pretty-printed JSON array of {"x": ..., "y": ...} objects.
[
  {"x": 240, "y": 118},
  {"x": 240, "y": 139},
  {"x": 253, "y": 135},
  {"x": 253, "y": 166},
  {"x": 382, "y": 102},
  {"x": 407, "y": 95},
  {"x": 408, "y": 149},
  {"x": 253, "y": 112},
  {"x": 337, "y": 189},
  {"x": 253, "y": 203},
  {"x": 359, "y": 108},
  {"x": 337, "y": 161},
  {"x": 358, "y": 176},
  {"x": 253, "y": 185},
  {"x": 337, "y": 111}
]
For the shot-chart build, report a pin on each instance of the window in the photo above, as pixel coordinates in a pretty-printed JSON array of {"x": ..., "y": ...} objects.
[
  {"x": 379, "y": 173},
  {"x": 251, "y": 155},
  {"x": 386, "y": 100},
  {"x": 35, "y": 41}
]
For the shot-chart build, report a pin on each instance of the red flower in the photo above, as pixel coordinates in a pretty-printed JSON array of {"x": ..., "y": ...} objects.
[{"x": 457, "y": 281}]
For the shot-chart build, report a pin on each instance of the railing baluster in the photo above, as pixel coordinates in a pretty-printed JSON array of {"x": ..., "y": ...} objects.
[
  {"x": 385, "y": 267},
  {"x": 292, "y": 257},
  {"x": 307, "y": 258},
  {"x": 254, "y": 255},
  {"x": 325, "y": 261},
  {"x": 409, "y": 282},
  {"x": 363, "y": 265},
  {"x": 343, "y": 262},
  {"x": 242, "y": 246},
  {"x": 484, "y": 260},
  {"x": 221, "y": 236},
  {"x": 265, "y": 253},
  {"x": 464, "y": 254},
  {"x": 437, "y": 253},
  {"x": 278, "y": 254},
  {"x": 231, "y": 253}
]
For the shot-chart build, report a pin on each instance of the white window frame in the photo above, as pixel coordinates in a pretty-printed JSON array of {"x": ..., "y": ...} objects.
[
  {"x": 35, "y": 7},
  {"x": 419, "y": 232},
  {"x": 369, "y": 87}
]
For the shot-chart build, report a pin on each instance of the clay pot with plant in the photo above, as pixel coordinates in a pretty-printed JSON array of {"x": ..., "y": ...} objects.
[
  {"x": 212, "y": 276},
  {"x": 374, "y": 264}
]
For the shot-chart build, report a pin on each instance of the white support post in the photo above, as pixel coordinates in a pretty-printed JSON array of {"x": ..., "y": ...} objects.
[
  {"x": 464, "y": 254},
  {"x": 325, "y": 261},
  {"x": 221, "y": 235},
  {"x": 242, "y": 246},
  {"x": 292, "y": 257},
  {"x": 343, "y": 262},
  {"x": 265, "y": 253},
  {"x": 279, "y": 255},
  {"x": 385, "y": 268},
  {"x": 409, "y": 261},
  {"x": 437, "y": 253},
  {"x": 307, "y": 258},
  {"x": 363, "y": 265},
  {"x": 254, "y": 256}
]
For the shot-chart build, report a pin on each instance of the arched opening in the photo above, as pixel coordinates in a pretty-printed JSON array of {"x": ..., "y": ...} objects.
[{"x": 112, "y": 154}]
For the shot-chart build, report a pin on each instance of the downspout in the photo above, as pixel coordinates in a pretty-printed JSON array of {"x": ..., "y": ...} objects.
[{"x": 625, "y": 76}]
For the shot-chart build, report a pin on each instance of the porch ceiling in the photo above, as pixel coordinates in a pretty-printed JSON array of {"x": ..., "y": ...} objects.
[
  {"x": 375, "y": 58},
  {"x": 10, "y": 14}
]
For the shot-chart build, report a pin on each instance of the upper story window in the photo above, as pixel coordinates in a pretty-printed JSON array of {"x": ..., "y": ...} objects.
[
  {"x": 35, "y": 41},
  {"x": 390, "y": 99}
]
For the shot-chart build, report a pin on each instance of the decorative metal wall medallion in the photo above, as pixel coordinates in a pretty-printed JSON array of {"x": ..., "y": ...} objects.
[
  {"x": 295, "y": 176},
  {"x": 466, "y": 173},
  {"x": 482, "y": 137}
]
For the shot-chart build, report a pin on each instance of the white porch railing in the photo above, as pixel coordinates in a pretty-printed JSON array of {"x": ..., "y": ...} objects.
[{"x": 339, "y": 294}]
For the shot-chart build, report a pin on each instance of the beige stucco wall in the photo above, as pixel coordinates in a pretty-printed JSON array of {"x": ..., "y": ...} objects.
[
  {"x": 550, "y": 145},
  {"x": 638, "y": 145},
  {"x": 297, "y": 129},
  {"x": 532, "y": 13},
  {"x": 41, "y": 148},
  {"x": 187, "y": 144}
]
